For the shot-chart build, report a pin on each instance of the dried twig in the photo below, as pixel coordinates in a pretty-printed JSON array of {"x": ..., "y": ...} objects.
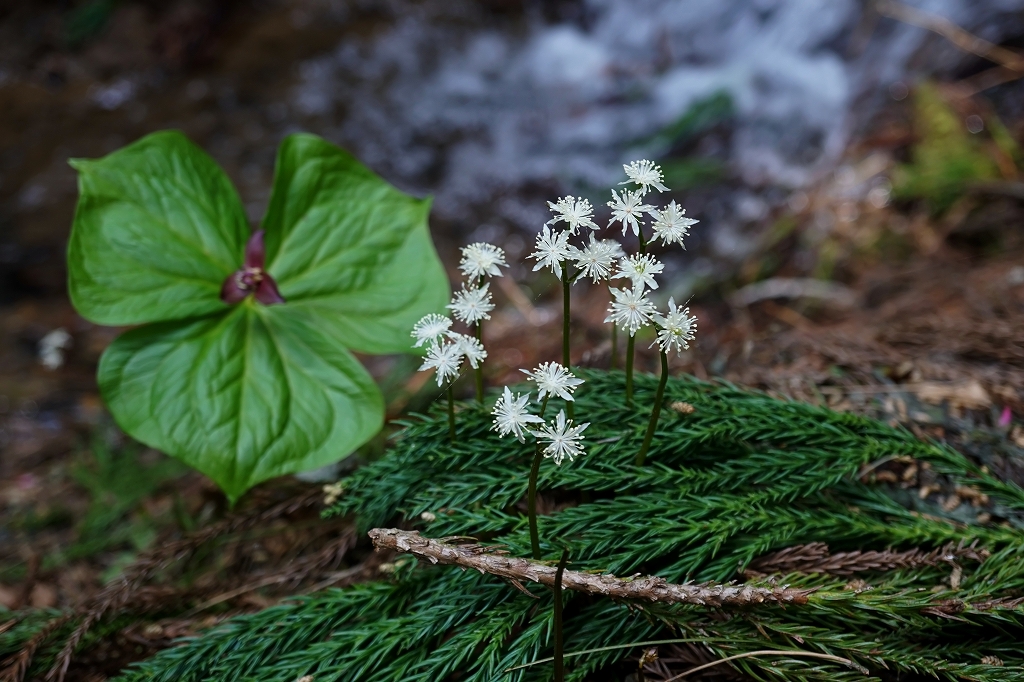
[
  {"x": 364, "y": 570},
  {"x": 650, "y": 588},
  {"x": 494, "y": 561},
  {"x": 773, "y": 652},
  {"x": 793, "y": 287},
  {"x": 949, "y": 608},
  {"x": 966, "y": 41},
  {"x": 815, "y": 558},
  {"x": 687, "y": 656},
  {"x": 326, "y": 559}
]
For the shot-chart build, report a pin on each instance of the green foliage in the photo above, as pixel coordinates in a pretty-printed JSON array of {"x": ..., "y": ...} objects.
[
  {"x": 242, "y": 397},
  {"x": 700, "y": 117},
  {"x": 118, "y": 482},
  {"x": 20, "y": 626},
  {"x": 945, "y": 157},
  {"x": 693, "y": 172},
  {"x": 247, "y": 392},
  {"x": 87, "y": 21},
  {"x": 157, "y": 229},
  {"x": 741, "y": 476}
]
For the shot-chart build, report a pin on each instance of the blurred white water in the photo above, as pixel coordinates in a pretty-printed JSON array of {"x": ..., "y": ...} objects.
[{"x": 471, "y": 110}]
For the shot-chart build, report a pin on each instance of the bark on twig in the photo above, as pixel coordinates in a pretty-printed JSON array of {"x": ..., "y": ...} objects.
[
  {"x": 966, "y": 41},
  {"x": 649, "y": 588},
  {"x": 815, "y": 558},
  {"x": 793, "y": 287}
]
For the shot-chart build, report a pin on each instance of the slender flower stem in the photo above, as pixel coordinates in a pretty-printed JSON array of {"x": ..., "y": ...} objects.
[
  {"x": 655, "y": 411},
  {"x": 565, "y": 315},
  {"x": 451, "y": 413},
  {"x": 615, "y": 347},
  {"x": 629, "y": 370},
  {"x": 479, "y": 371},
  {"x": 565, "y": 330},
  {"x": 559, "y": 663},
  {"x": 531, "y": 504},
  {"x": 531, "y": 493},
  {"x": 480, "y": 337},
  {"x": 643, "y": 242}
]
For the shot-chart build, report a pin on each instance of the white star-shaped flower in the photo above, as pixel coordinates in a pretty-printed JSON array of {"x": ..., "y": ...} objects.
[
  {"x": 563, "y": 438},
  {"x": 671, "y": 225},
  {"x": 615, "y": 247},
  {"x": 446, "y": 358},
  {"x": 511, "y": 415},
  {"x": 677, "y": 328},
  {"x": 482, "y": 259},
  {"x": 574, "y": 212},
  {"x": 472, "y": 348},
  {"x": 631, "y": 309},
  {"x": 645, "y": 174},
  {"x": 553, "y": 379},
  {"x": 552, "y": 249},
  {"x": 472, "y": 304},
  {"x": 629, "y": 209},
  {"x": 432, "y": 328},
  {"x": 640, "y": 270},
  {"x": 597, "y": 258}
]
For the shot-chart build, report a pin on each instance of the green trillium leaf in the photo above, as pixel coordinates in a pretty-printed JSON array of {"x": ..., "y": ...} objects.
[
  {"x": 358, "y": 321},
  {"x": 240, "y": 390},
  {"x": 242, "y": 397},
  {"x": 350, "y": 247},
  {"x": 157, "y": 228}
]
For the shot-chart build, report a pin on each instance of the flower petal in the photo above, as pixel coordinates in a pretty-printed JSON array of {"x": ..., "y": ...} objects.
[
  {"x": 267, "y": 293},
  {"x": 232, "y": 291},
  {"x": 255, "y": 253}
]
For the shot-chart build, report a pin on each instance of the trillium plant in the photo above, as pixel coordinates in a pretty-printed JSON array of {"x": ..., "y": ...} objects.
[
  {"x": 630, "y": 308},
  {"x": 239, "y": 360}
]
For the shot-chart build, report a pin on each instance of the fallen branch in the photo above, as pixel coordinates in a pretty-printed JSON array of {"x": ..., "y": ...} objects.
[
  {"x": 296, "y": 571},
  {"x": 794, "y": 287},
  {"x": 773, "y": 652},
  {"x": 815, "y": 558},
  {"x": 650, "y": 588},
  {"x": 966, "y": 41}
]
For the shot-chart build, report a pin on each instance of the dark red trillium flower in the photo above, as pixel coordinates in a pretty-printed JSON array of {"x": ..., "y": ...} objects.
[{"x": 251, "y": 278}]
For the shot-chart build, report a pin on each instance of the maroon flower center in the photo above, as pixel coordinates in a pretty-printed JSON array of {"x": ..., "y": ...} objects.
[{"x": 251, "y": 278}]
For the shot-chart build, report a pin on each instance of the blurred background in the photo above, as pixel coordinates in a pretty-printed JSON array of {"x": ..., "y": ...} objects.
[{"x": 854, "y": 165}]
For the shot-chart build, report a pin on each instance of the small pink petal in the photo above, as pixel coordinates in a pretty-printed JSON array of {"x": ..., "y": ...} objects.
[
  {"x": 1005, "y": 418},
  {"x": 255, "y": 253},
  {"x": 267, "y": 293},
  {"x": 231, "y": 292}
]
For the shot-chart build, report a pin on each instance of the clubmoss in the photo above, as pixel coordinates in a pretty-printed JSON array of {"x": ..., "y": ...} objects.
[{"x": 740, "y": 476}]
